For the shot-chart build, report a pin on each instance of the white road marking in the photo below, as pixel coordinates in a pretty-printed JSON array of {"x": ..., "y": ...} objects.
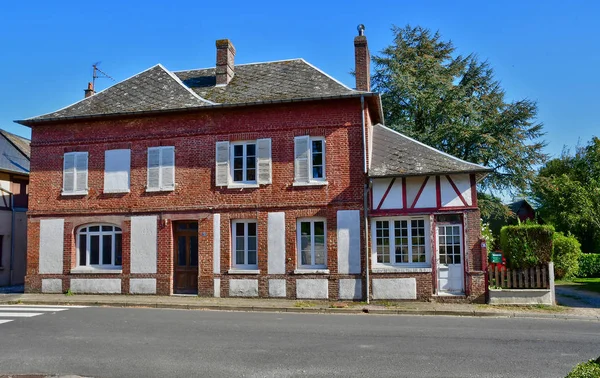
[
  {"x": 42, "y": 306},
  {"x": 5, "y": 321},
  {"x": 20, "y": 308},
  {"x": 19, "y": 314}
]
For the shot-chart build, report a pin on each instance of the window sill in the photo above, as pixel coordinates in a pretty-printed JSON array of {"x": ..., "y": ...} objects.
[
  {"x": 86, "y": 270},
  {"x": 311, "y": 271},
  {"x": 116, "y": 191},
  {"x": 159, "y": 190},
  {"x": 398, "y": 269},
  {"x": 311, "y": 183},
  {"x": 243, "y": 271},
  {"x": 242, "y": 186},
  {"x": 81, "y": 193}
]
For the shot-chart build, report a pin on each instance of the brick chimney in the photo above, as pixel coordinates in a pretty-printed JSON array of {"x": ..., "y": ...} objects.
[
  {"x": 89, "y": 91},
  {"x": 225, "y": 57},
  {"x": 362, "y": 61}
]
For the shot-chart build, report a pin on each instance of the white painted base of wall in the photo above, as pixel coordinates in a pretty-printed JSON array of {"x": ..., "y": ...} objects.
[
  {"x": 520, "y": 296},
  {"x": 52, "y": 285},
  {"x": 312, "y": 289},
  {"x": 142, "y": 286},
  {"x": 277, "y": 288},
  {"x": 217, "y": 287},
  {"x": 395, "y": 288},
  {"x": 243, "y": 288},
  {"x": 96, "y": 285},
  {"x": 350, "y": 289}
]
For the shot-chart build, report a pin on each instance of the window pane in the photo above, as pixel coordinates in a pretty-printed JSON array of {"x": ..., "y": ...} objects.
[
  {"x": 94, "y": 228},
  {"x": 107, "y": 228},
  {"x": 182, "y": 226},
  {"x": 106, "y": 249},
  {"x": 193, "y": 251},
  {"x": 239, "y": 250},
  {"x": 118, "y": 250},
  {"x": 305, "y": 250},
  {"x": 319, "y": 250},
  {"x": 251, "y": 150},
  {"x": 193, "y": 226},
  {"x": 238, "y": 163},
  {"x": 238, "y": 175},
  {"x": 239, "y": 229},
  {"x": 250, "y": 162},
  {"x": 317, "y": 158},
  {"x": 320, "y": 228},
  {"x": 94, "y": 250},
  {"x": 238, "y": 150},
  {"x": 251, "y": 229},
  {"x": 317, "y": 172},
  {"x": 305, "y": 228},
  {"x": 251, "y": 175},
  {"x": 82, "y": 249},
  {"x": 181, "y": 251},
  {"x": 317, "y": 146},
  {"x": 252, "y": 250}
]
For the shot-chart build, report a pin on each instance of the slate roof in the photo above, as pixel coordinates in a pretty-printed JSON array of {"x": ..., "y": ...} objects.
[
  {"x": 158, "y": 89},
  {"x": 14, "y": 153},
  {"x": 259, "y": 82},
  {"x": 395, "y": 154}
]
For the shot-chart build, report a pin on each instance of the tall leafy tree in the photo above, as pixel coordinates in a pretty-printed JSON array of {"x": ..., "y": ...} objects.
[
  {"x": 567, "y": 193},
  {"x": 453, "y": 103}
]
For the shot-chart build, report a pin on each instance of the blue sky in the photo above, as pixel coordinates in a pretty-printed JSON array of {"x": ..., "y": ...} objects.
[{"x": 543, "y": 50}]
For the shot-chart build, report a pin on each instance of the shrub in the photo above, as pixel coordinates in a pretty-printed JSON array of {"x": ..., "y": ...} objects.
[
  {"x": 527, "y": 245},
  {"x": 589, "y": 265},
  {"x": 566, "y": 255},
  {"x": 590, "y": 369}
]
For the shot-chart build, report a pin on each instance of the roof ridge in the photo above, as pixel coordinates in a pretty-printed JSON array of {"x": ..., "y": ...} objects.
[
  {"x": 174, "y": 77},
  {"x": 329, "y": 76},
  {"x": 431, "y": 148},
  {"x": 243, "y": 64}
]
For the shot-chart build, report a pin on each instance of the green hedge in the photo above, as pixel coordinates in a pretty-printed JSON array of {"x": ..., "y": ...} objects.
[
  {"x": 527, "y": 245},
  {"x": 589, "y": 265},
  {"x": 566, "y": 255},
  {"x": 590, "y": 369}
]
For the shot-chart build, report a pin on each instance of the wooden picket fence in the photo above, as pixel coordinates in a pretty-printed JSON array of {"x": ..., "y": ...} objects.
[{"x": 532, "y": 278}]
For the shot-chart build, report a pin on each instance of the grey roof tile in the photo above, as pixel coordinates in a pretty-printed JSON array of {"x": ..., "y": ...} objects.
[
  {"x": 395, "y": 154},
  {"x": 14, "y": 153}
]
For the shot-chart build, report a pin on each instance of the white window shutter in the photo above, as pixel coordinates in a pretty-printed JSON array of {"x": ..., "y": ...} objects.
[
  {"x": 117, "y": 166},
  {"x": 81, "y": 171},
  {"x": 69, "y": 173},
  {"x": 264, "y": 161},
  {"x": 167, "y": 163},
  {"x": 222, "y": 164},
  {"x": 153, "y": 169},
  {"x": 301, "y": 152}
]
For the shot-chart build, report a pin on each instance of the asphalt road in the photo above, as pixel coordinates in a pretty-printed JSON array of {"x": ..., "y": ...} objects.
[{"x": 119, "y": 342}]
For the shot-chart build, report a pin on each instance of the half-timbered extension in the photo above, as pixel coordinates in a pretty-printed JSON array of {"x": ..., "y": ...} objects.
[{"x": 424, "y": 221}]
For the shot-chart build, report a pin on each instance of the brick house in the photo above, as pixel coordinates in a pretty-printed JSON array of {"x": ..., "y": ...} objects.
[{"x": 245, "y": 180}]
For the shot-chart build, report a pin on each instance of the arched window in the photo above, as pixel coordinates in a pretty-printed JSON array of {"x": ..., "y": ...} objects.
[{"x": 99, "y": 245}]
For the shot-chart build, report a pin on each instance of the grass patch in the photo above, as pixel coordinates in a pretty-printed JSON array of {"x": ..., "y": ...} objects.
[
  {"x": 525, "y": 308},
  {"x": 304, "y": 304},
  {"x": 587, "y": 284}
]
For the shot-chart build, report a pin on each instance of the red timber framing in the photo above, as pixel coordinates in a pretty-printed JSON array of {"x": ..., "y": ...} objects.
[{"x": 410, "y": 208}]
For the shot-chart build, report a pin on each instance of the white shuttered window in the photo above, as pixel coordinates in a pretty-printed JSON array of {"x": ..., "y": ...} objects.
[
  {"x": 117, "y": 165},
  {"x": 240, "y": 164},
  {"x": 75, "y": 173},
  {"x": 161, "y": 169},
  {"x": 309, "y": 160}
]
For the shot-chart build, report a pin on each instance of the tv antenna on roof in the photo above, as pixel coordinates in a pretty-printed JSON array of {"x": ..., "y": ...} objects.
[{"x": 98, "y": 73}]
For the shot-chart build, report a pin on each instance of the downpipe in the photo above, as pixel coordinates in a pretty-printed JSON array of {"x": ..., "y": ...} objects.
[{"x": 365, "y": 200}]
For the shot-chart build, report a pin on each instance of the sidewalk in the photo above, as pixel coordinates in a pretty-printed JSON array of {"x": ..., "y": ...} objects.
[{"x": 304, "y": 306}]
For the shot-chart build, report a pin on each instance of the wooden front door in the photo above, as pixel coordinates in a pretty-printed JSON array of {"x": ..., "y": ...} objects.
[{"x": 185, "y": 257}]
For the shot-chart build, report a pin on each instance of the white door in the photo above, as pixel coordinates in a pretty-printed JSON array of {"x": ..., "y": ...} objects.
[{"x": 450, "y": 270}]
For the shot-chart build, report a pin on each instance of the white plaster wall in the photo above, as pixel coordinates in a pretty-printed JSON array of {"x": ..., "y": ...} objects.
[
  {"x": 394, "y": 288},
  {"x": 276, "y": 243},
  {"x": 52, "y": 285},
  {"x": 143, "y": 244},
  {"x": 51, "y": 246},
  {"x": 116, "y": 170},
  {"x": 142, "y": 286},
  {"x": 243, "y": 288},
  {"x": 428, "y": 196},
  {"x": 394, "y": 198},
  {"x": 449, "y": 196},
  {"x": 217, "y": 287},
  {"x": 217, "y": 243},
  {"x": 312, "y": 289},
  {"x": 379, "y": 188},
  {"x": 96, "y": 285},
  {"x": 277, "y": 288},
  {"x": 348, "y": 241},
  {"x": 520, "y": 296},
  {"x": 350, "y": 289}
]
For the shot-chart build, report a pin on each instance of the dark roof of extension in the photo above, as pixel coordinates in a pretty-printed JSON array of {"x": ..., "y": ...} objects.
[
  {"x": 395, "y": 154},
  {"x": 14, "y": 153},
  {"x": 158, "y": 89}
]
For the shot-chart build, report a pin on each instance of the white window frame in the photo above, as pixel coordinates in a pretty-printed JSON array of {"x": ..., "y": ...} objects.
[
  {"x": 392, "y": 242},
  {"x": 311, "y": 179},
  {"x": 116, "y": 230},
  {"x": 161, "y": 187},
  {"x": 244, "y": 182},
  {"x": 76, "y": 191},
  {"x": 234, "y": 264},
  {"x": 312, "y": 221}
]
